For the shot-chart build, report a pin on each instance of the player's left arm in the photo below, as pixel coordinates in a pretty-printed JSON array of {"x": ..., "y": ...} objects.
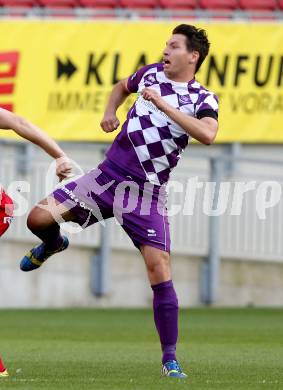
[
  {"x": 32, "y": 133},
  {"x": 204, "y": 130}
]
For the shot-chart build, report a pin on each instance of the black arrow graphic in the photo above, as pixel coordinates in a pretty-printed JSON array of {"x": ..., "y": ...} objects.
[{"x": 65, "y": 68}]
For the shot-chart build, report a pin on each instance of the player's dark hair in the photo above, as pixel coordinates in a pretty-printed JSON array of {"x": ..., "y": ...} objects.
[{"x": 196, "y": 40}]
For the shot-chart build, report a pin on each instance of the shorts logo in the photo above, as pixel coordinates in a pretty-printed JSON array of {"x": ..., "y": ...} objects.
[
  {"x": 151, "y": 233},
  {"x": 7, "y": 220},
  {"x": 75, "y": 199}
]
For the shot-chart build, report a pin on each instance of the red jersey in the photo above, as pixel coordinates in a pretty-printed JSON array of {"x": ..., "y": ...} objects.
[{"x": 6, "y": 211}]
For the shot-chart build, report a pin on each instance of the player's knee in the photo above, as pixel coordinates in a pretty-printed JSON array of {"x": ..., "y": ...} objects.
[
  {"x": 39, "y": 219},
  {"x": 31, "y": 222},
  {"x": 34, "y": 221},
  {"x": 160, "y": 264}
]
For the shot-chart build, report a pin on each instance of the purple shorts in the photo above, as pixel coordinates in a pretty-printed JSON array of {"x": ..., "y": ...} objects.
[{"x": 106, "y": 192}]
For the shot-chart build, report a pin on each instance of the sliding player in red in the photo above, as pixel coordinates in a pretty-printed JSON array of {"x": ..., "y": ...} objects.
[{"x": 32, "y": 133}]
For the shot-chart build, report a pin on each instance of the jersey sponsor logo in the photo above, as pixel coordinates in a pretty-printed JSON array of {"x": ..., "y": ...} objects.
[{"x": 151, "y": 107}]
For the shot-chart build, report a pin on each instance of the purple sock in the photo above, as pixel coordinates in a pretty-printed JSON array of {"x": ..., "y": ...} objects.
[{"x": 165, "y": 309}]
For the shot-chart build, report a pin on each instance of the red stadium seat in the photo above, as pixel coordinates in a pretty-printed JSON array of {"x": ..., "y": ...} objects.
[
  {"x": 139, "y": 4},
  {"x": 265, "y": 5},
  {"x": 104, "y": 4},
  {"x": 178, "y": 4},
  {"x": 219, "y": 4},
  {"x": 58, "y": 4},
  {"x": 19, "y": 3},
  {"x": 280, "y": 4}
]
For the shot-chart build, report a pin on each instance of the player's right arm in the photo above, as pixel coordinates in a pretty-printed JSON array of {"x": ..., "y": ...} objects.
[
  {"x": 32, "y": 133},
  {"x": 119, "y": 93}
]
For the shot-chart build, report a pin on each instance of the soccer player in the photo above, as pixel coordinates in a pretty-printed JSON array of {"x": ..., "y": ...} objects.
[
  {"x": 171, "y": 108},
  {"x": 3, "y": 370},
  {"x": 27, "y": 130}
]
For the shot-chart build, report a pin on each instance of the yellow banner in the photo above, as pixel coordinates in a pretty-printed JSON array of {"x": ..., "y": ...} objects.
[{"x": 59, "y": 74}]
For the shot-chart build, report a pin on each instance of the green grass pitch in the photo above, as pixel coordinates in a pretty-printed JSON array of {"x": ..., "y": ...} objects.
[{"x": 119, "y": 349}]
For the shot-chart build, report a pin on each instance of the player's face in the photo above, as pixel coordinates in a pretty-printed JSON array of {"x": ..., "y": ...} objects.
[{"x": 176, "y": 57}]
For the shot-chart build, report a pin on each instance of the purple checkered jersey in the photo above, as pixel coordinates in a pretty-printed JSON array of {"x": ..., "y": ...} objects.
[{"x": 150, "y": 144}]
